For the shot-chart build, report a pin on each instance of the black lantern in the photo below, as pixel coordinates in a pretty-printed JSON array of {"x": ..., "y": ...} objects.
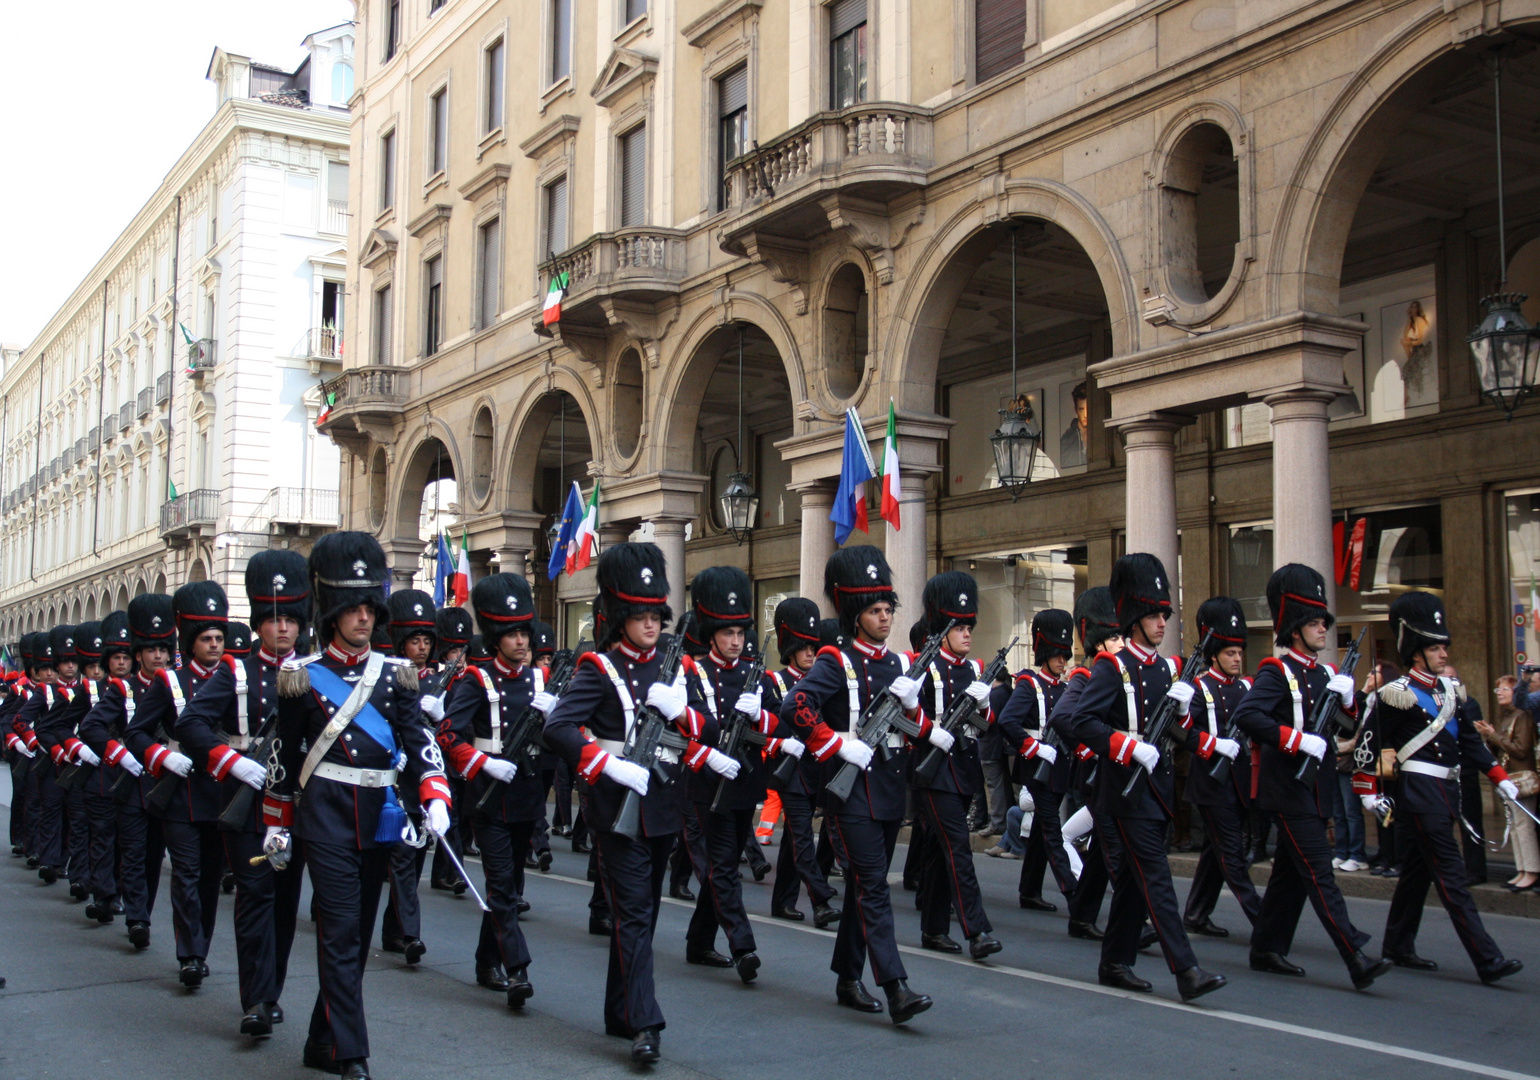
[
  {"x": 1015, "y": 445},
  {"x": 739, "y": 501}
]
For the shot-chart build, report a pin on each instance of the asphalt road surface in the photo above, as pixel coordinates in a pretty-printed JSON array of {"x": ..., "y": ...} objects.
[{"x": 81, "y": 1003}]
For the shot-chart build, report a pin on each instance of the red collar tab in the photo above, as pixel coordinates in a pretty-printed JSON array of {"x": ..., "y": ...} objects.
[
  {"x": 950, "y": 657},
  {"x": 144, "y": 680},
  {"x": 269, "y": 659},
  {"x": 1219, "y": 677},
  {"x": 725, "y": 665},
  {"x": 1422, "y": 679},
  {"x": 198, "y": 670},
  {"x": 871, "y": 652},
  {"x": 1143, "y": 655},
  {"x": 1048, "y": 677},
  {"x": 1300, "y": 658},
  {"x": 631, "y": 652},
  {"x": 346, "y": 657},
  {"x": 504, "y": 670}
]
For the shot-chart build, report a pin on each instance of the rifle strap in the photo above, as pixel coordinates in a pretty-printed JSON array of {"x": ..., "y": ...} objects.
[
  {"x": 1130, "y": 696},
  {"x": 1297, "y": 697},
  {"x": 494, "y": 704},
  {"x": 1213, "y": 707},
  {"x": 1042, "y": 706},
  {"x": 627, "y": 704},
  {"x": 242, "y": 705},
  {"x": 708, "y": 691},
  {"x": 940, "y": 690}
]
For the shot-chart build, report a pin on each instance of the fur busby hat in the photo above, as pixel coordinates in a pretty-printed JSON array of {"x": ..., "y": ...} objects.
[
  {"x": 476, "y": 652},
  {"x": 277, "y": 584},
  {"x": 452, "y": 627},
  {"x": 61, "y": 642},
  {"x": 951, "y": 594},
  {"x": 151, "y": 621},
  {"x": 346, "y": 569},
  {"x": 115, "y": 636},
  {"x": 633, "y": 579},
  {"x": 503, "y": 604},
  {"x": 1139, "y": 587},
  {"x": 829, "y": 633},
  {"x": 1096, "y": 619},
  {"x": 1418, "y": 620},
  {"x": 42, "y": 650},
  {"x": 721, "y": 597},
  {"x": 918, "y": 632},
  {"x": 854, "y": 579},
  {"x": 411, "y": 612},
  {"x": 199, "y": 606},
  {"x": 1296, "y": 594},
  {"x": 381, "y": 641},
  {"x": 238, "y": 640},
  {"x": 796, "y": 626},
  {"x": 25, "y": 647},
  {"x": 1224, "y": 619},
  {"x": 544, "y": 642},
  {"x": 1053, "y": 634},
  {"x": 88, "y": 642}
]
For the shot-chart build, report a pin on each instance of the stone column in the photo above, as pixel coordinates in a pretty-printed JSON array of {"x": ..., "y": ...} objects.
[
  {"x": 512, "y": 560},
  {"x": 905, "y": 549},
  {"x": 817, "y": 541},
  {"x": 1149, "y": 442},
  {"x": 669, "y": 536},
  {"x": 1302, "y": 483},
  {"x": 611, "y": 533},
  {"x": 405, "y": 556},
  {"x": 480, "y": 560}
]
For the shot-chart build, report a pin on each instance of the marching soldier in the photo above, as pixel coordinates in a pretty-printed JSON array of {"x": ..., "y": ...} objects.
[
  {"x": 1419, "y": 717},
  {"x": 478, "y": 713},
  {"x": 218, "y": 730},
  {"x": 89, "y": 782},
  {"x": 543, "y": 649},
  {"x": 349, "y": 728},
  {"x": 455, "y": 657},
  {"x": 824, "y": 708},
  {"x": 55, "y": 727},
  {"x": 14, "y": 692},
  {"x": 46, "y": 798},
  {"x": 1118, "y": 701},
  {"x": 1222, "y": 803},
  {"x": 1272, "y": 715},
  {"x": 947, "y": 878}
]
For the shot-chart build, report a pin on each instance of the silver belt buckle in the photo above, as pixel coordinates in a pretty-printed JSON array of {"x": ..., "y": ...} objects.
[{"x": 369, "y": 777}]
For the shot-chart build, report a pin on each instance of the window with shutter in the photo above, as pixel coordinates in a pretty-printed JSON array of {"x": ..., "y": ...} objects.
[
  {"x": 633, "y": 177},
  {"x": 561, "y": 39},
  {"x": 489, "y": 302},
  {"x": 387, "y": 171},
  {"x": 433, "y": 305},
  {"x": 999, "y": 36},
  {"x": 847, "y": 53},
  {"x": 732, "y": 125},
  {"x": 556, "y": 216},
  {"x": 392, "y": 28},
  {"x": 495, "y": 67},
  {"x": 438, "y": 134},
  {"x": 635, "y": 9},
  {"x": 383, "y": 322}
]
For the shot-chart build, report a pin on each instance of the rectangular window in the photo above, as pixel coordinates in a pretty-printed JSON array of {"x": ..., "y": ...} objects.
[
  {"x": 556, "y": 216},
  {"x": 336, "y": 197},
  {"x": 494, "y": 106},
  {"x": 732, "y": 125},
  {"x": 999, "y": 36},
  {"x": 392, "y": 27},
  {"x": 847, "y": 53},
  {"x": 1521, "y": 521},
  {"x": 438, "y": 131},
  {"x": 388, "y": 171},
  {"x": 433, "y": 305},
  {"x": 561, "y": 39},
  {"x": 635, "y": 9},
  {"x": 383, "y": 322},
  {"x": 633, "y": 177},
  {"x": 489, "y": 271},
  {"x": 434, "y": 5}
]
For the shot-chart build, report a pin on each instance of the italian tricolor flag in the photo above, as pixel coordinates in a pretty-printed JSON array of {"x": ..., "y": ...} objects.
[
  {"x": 553, "y": 297},
  {"x": 887, "y": 472},
  {"x": 585, "y": 539},
  {"x": 460, "y": 581},
  {"x": 326, "y": 408}
]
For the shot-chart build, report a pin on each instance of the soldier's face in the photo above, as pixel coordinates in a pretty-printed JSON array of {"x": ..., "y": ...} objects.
[
  {"x": 1313, "y": 635},
  {"x": 1152, "y": 628},
  {"x": 1435, "y": 658},
  {"x": 1113, "y": 643},
  {"x": 153, "y": 658},
  {"x": 44, "y": 675},
  {"x": 68, "y": 669},
  {"x": 208, "y": 647},
  {"x": 876, "y": 623},
  {"x": 514, "y": 647},
  {"x": 279, "y": 634},
  {"x": 1056, "y": 665},
  {"x": 93, "y": 671},
  {"x": 119, "y": 664},
  {"x": 355, "y": 626},
  {"x": 642, "y": 630},
  {"x": 959, "y": 640},
  {"x": 1230, "y": 660},
  {"x": 728, "y": 642},
  {"x": 803, "y": 658},
  {"x": 452, "y": 657},
  {"x": 417, "y": 649}
]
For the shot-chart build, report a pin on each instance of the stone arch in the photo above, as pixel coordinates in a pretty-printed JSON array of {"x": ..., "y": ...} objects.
[
  {"x": 434, "y": 456},
  {"x": 526, "y": 431}
]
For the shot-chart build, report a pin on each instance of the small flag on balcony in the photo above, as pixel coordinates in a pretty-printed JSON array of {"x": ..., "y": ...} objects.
[
  {"x": 888, "y": 473},
  {"x": 326, "y": 408},
  {"x": 553, "y": 297},
  {"x": 170, "y": 490},
  {"x": 461, "y": 582},
  {"x": 185, "y": 335},
  {"x": 585, "y": 539}
]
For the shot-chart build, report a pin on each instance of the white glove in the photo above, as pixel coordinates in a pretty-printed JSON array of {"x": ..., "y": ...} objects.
[
  {"x": 1508, "y": 790},
  {"x": 1146, "y": 755},
  {"x": 273, "y": 831},
  {"x": 277, "y": 846},
  {"x": 1026, "y": 802},
  {"x": 21, "y": 748},
  {"x": 668, "y": 700},
  {"x": 249, "y": 773},
  {"x": 626, "y": 774},
  {"x": 180, "y": 764},
  {"x": 748, "y": 703},
  {"x": 941, "y": 738},
  {"x": 499, "y": 769},
  {"x": 432, "y": 706},
  {"x": 130, "y": 765},
  {"x": 978, "y": 691},
  {"x": 907, "y": 691},
  {"x": 436, "y": 816},
  {"x": 722, "y": 764},
  {"x": 543, "y": 702},
  {"x": 1375, "y": 804},
  {"x": 1228, "y": 747},
  {"x": 794, "y": 747},
  {"x": 1046, "y": 753},
  {"x": 1181, "y": 693},
  {"x": 1341, "y": 684},
  {"x": 1313, "y": 745},
  {"x": 86, "y": 756},
  {"x": 854, "y": 751}
]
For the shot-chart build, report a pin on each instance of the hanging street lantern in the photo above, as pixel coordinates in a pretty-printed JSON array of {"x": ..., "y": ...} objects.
[
  {"x": 740, "y": 506},
  {"x": 1015, "y": 445},
  {"x": 1506, "y": 351}
]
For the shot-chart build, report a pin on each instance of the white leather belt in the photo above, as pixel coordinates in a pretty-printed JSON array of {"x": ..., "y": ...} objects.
[
  {"x": 347, "y": 774},
  {"x": 618, "y": 748},
  {"x": 1422, "y": 768},
  {"x": 238, "y": 742},
  {"x": 490, "y": 746}
]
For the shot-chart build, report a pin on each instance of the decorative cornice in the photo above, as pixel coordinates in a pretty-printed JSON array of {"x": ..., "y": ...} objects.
[
  {"x": 537, "y": 144},
  {"x": 484, "y": 181},
  {"x": 622, "y": 72},
  {"x": 706, "y": 27},
  {"x": 433, "y": 215}
]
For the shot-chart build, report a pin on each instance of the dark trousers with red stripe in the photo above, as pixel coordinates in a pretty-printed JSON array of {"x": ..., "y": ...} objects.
[
  {"x": 502, "y": 844},
  {"x": 680, "y": 863},
  {"x": 256, "y": 933},
  {"x": 77, "y": 837},
  {"x": 1428, "y": 855},
  {"x": 946, "y": 876},
  {"x": 1301, "y": 871},
  {"x": 631, "y": 873},
  {"x": 798, "y": 859},
  {"x": 716, "y": 842},
  {"x": 347, "y": 884},
  {"x": 403, "y": 910},
  {"x": 1141, "y": 885},
  {"x": 1045, "y": 846},
  {"x": 1222, "y": 862},
  {"x": 19, "y": 802},
  {"x": 50, "y": 827},
  {"x": 864, "y": 848},
  {"x": 141, "y": 851},
  {"x": 197, "y": 852},
  {"x": 102, "y": 822}
]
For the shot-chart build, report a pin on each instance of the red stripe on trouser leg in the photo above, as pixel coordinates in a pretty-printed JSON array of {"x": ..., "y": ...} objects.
[
  {"x": 951, "y": 867},
  {"x": 1315, "y": 883},
  {"x": 1144, "y": 890}
]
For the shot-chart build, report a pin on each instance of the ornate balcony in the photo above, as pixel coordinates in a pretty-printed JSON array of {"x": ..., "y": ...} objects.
[
  {"x": 202, "y": 355},
  {"x": 146, "y": 400},
  {"x": 369, "y": 399},
  {"x": 189, "y": 515},
  {"x": 300, "y": 510},
  {"x": 163, "y": 388},
  {"x": 323, "y": 343},
  {"x": 126, "y": 416},
  {"x": 636, "y": 266}
]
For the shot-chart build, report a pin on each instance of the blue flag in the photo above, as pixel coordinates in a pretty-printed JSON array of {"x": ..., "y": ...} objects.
[
  {"x": 849, "y": 510},
  {"x": 443, "y": 569},
  {"x": 571, "y": 515}
]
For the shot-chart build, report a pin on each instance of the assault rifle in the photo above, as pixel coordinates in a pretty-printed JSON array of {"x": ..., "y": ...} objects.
[
  {"x": 962, "y": 710},
  {"x": 884, "y": 715},
  {"x": 1166, "y": 719},
  {"x": 650, "y": 734},
  {"x": 740, "y": 731},
  {"x": 1322, "y": 720},
  {"x": 524, "y": 732},
  {"x": 260, "y": 750}
]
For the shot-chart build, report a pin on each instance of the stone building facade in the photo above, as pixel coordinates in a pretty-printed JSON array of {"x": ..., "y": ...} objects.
[{"x": 1229, "y": 252}]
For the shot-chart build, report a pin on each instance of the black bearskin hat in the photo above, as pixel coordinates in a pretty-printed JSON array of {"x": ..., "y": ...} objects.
[
  {"x": 1225, "y": 619},
  {"x": 452, "y": 627},
  {"x": 115, "y": 637},
  {"x": 796, "y": 626},
  {"x": 346, "y": 569},
  {"x": 854, "y": 579},
  {"x": 633, "y": 579},
  {"x": 721, "y": 597},
  {"x": 1296, "y": 594},
  {"x": 151, "y": 621},
  {"x": 1095, "y": 618},
  {"x": 42, "y": 649},
  {"x": 503, "y": 604},
  {"x": 380, "y": 640},
  {"x": 1418, "y": 620},
  {"x": 277, "y": 584},
  {"x": 1053, "y": 634},
  {"x": 238, "y": 640},
  {"x": 61, "y": 641},
  {"x": 917, "y": 635},
  {"x": 88, "y": 642},
  {"x": 476, "y": 652},
  {"x": 411, "y": 612},
  {"x": 25, "y": 648},
  {"x": 544, "y": 641},
  {"x": 199, "y": 606},
  {"x": 829, "y": 633},
  {"x": 1139, "y": 587},
  {"x": 951, "y": 594}
]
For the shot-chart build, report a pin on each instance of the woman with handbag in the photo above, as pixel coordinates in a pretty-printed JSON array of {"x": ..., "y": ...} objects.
[{"x": 1513, "y": 737}]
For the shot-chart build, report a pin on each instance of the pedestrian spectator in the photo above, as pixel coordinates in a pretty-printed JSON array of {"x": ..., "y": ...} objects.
[
  {"x": 1348, "y": 816},
  {"x": 1472, "y": 848},
  {"x": 1512, "y": 737},
  {"x": 996, "y": 769},
  {"x": 1384, "y": 863}
]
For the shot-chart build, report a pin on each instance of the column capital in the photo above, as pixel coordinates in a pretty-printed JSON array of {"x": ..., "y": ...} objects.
[
  {"x": 1300, "y": 402},
  {"x": 1150, "y": 427}
]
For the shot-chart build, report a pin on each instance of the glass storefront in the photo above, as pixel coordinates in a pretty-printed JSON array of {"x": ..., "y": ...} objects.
[
  {"x": 768, "y": 593},
  {"x": 1013, "y": 587},
  {"x": 1522, "y": 520},
  {"x": 577, "y": 623}
]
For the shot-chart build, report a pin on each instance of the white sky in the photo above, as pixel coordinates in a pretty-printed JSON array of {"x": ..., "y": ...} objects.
[{"x": 101, "y": 97}]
